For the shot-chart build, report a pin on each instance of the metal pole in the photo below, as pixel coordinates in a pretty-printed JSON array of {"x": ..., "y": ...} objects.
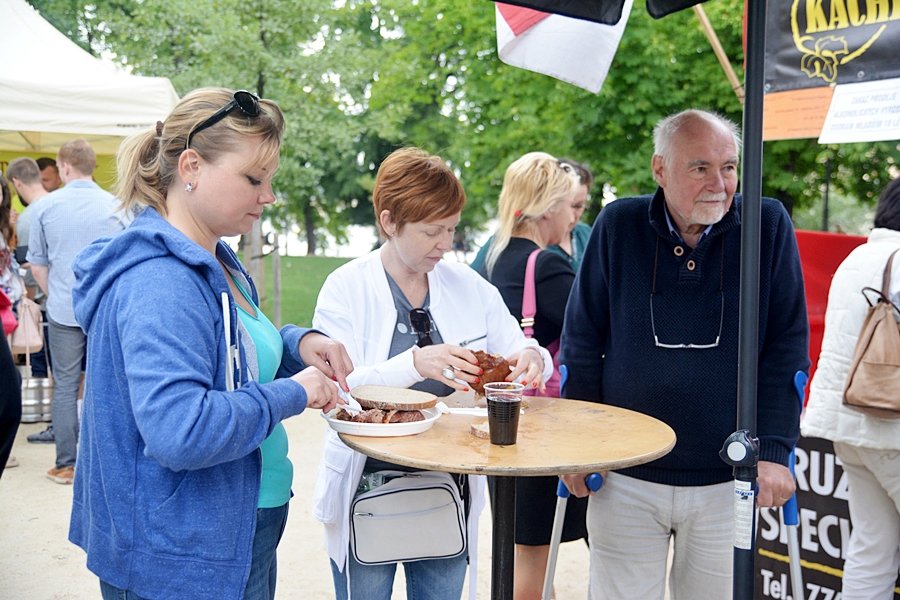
[
  {"x": 504, "y": 538},
  {"x": 593, "y": 482},
  {"x": 827, "y": 189},
  {"x": 790, "y": 512},
  {"x": 742, "y": 449}
]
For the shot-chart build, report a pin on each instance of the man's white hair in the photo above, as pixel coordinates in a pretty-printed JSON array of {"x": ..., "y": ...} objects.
[{"x": 667, "y": 129}]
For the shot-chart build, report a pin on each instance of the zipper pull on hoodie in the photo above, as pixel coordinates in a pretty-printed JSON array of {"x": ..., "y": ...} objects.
[{"x": 230, "y": 350}]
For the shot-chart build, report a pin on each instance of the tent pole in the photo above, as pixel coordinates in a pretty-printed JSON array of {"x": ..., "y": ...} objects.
[
  {"x": 32, "y": 146},
  {"x": 741, "y": 449},
  {"x": 719, "y": 52}
]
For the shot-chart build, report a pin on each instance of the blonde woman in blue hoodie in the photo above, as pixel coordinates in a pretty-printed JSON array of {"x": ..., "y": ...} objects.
[{"x": 182, "y": 481}]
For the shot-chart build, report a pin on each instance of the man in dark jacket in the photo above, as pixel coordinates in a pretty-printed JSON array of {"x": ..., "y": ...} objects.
[{"x": 652, "y": 325}]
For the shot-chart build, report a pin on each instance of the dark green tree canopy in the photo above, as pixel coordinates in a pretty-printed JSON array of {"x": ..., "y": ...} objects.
[{"x": 360, "y": 78}]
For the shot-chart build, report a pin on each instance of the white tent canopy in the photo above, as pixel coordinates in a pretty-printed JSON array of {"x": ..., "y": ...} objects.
[{"x": 52, "y": 91}]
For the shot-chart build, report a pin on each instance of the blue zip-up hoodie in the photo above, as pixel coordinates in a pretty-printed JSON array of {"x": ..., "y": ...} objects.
[{"x": 168, "y": 469}]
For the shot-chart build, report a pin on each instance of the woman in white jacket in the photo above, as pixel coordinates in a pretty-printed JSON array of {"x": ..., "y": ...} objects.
[
  {"x": 407, "y": 319},
  {"x": 869, "y": 447}
]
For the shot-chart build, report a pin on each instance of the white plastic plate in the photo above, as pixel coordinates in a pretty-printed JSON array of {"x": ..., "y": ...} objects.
[{"x": 383, "y": 429}]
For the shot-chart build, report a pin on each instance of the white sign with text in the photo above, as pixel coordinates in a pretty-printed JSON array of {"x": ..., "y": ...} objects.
[{"x": 863, "y": 112}]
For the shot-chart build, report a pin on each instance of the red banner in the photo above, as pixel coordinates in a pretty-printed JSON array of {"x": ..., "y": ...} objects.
[
  {"x": 824, "y": 524},
  {"x": 820, "y": 254}
]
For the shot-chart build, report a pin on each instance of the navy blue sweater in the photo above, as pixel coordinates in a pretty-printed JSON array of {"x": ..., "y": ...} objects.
[{"x": 608, "y": 335}]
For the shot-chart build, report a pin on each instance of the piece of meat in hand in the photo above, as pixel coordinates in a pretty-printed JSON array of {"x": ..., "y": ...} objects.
[{"x": 495, "y": 368}]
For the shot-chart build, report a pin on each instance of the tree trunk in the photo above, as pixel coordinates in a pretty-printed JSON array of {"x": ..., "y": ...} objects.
[
  {"x": 253, "y": 259},
  {"x": 309, "y": 221},
  {"x": 276, "y": 284}
]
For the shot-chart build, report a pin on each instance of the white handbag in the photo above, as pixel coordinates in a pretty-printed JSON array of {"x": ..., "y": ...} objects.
[{"x": 413, "y": 516}]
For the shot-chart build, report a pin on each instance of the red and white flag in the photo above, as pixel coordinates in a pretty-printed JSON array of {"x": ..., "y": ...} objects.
[{"x": 571, "y": 50}]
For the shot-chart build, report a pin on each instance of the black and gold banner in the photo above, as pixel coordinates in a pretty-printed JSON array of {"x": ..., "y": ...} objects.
[
  {"x": 812, "y": 43},
  {"x": 823, "y": 533}
]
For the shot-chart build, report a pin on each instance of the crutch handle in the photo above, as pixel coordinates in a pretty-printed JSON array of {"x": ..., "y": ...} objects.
[
  {"x": 593, "y": 481},
  {"x": 800, "y": 379},
  {"x": 790, "y": 510},
  {"x": 791, "y": 513}
]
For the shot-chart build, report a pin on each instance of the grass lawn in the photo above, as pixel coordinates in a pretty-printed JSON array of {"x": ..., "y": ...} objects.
[{"x": 301, "y": 279}]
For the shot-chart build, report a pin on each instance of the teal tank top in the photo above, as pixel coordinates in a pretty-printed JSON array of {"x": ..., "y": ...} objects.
[{"x": 277, "y": 470}]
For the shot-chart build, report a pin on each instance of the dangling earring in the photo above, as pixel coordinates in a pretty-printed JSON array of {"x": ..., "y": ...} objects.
[{"x": 189, "y": 187}]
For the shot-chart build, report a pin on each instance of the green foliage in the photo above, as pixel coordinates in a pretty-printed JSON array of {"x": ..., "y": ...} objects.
[
  {"x": 72, "y": 18},
  {"x": 359, "y": 78},
  {"x": 301, "y": 279},
  {"x": 798, "y": 171},
  {"x": 844, "y": 216},
  {"x": 277, "y": 48}
]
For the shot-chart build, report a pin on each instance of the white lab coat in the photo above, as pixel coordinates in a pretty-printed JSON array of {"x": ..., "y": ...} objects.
[{"x": 356, "y": 307}]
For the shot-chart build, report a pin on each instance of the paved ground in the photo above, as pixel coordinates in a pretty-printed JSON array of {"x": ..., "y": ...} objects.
[{"x": 38, "y": 563}]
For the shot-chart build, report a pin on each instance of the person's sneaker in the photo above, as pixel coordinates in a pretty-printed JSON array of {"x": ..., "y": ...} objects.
[
  {"x": 11, "y": 462},
  {"x": 62, "y": 475},
  {"x": 43, "y": 437}
]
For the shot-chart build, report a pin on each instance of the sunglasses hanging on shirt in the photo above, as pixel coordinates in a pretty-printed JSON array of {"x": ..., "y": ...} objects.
[
  {"x": 420, "y": 321},
  {"x": 721, "y": 293}
]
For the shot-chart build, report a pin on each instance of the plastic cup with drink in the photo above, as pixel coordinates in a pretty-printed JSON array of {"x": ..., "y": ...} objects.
[{"x": 504, "y": 401}]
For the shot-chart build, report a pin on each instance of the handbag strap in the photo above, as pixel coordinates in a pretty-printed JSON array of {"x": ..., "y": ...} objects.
[
  {"x": 886, "y": 278},
  {"x": 41, "y": 326},
  {"x": 529, "y": 298}
]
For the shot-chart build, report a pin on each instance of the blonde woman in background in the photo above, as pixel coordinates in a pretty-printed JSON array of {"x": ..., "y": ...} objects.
[{"x": 536, "y": 211}]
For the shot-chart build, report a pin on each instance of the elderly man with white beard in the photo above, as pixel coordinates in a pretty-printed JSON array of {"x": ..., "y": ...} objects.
[{"x": 652, "y": 325}]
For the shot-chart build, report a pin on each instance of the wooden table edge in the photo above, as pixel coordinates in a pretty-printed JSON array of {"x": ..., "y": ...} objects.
[{"x": 362, "y": 444}]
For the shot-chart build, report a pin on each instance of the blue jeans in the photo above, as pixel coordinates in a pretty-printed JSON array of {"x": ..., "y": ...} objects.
[
  {"x": 438, "y": 579},
  {"x": 270, "y": 524},
  {"x": 67, "y": 345}
]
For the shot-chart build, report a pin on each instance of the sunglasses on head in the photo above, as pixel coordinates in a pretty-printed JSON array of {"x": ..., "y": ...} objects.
[
  {"x": 244, "y": 101},
  {"x": 565, "y": 166},
  {"x": 420, "y": 321}
]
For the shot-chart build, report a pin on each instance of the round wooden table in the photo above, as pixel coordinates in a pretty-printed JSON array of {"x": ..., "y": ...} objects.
[{"x": 556, "y": 436}]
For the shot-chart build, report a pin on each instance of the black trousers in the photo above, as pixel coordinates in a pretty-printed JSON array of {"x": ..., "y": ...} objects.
[{"x": 10, "y": 402}]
